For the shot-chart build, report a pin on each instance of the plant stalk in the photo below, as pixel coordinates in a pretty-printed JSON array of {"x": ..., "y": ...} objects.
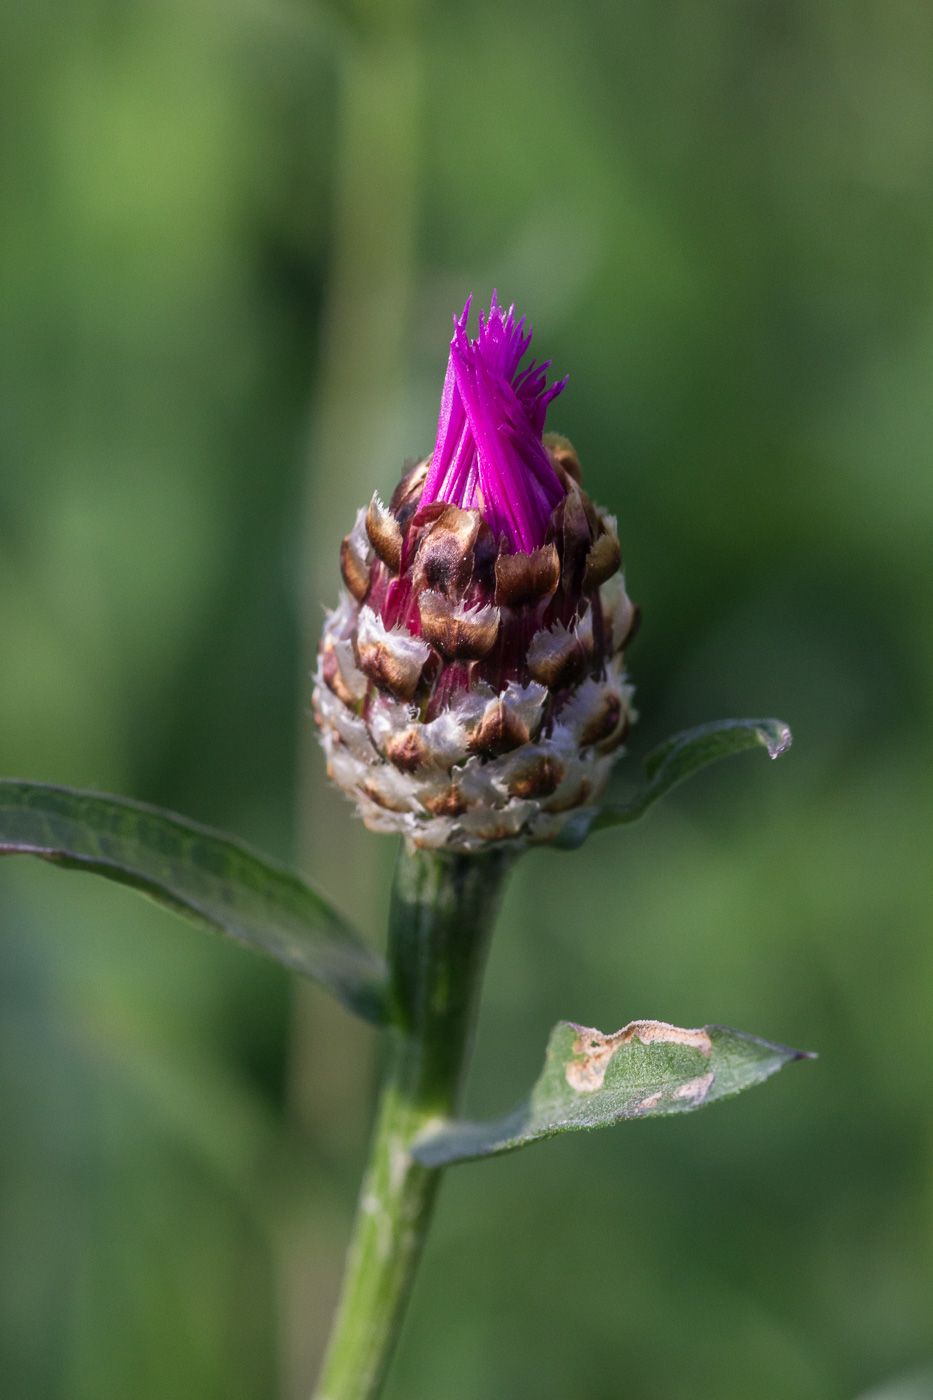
[{"x": 443, "y": 910}]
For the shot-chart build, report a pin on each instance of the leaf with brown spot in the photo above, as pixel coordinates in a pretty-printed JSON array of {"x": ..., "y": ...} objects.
[{"x": 591, "y": 1080}]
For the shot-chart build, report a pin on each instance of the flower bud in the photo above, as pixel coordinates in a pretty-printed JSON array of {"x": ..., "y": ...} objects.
[{"x": 470, "y": 683}]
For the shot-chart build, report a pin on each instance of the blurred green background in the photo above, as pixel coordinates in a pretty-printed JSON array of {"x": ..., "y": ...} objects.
[{"x": 232, "y": 234}]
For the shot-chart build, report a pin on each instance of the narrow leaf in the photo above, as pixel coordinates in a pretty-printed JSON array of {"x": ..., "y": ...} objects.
[
  {"x": 203, "y": 874},
  {"x": 591, "y": 1080},
  {"x": 668, "y": 764}
]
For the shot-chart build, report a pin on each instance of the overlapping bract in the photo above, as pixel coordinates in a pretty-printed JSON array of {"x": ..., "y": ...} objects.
[{"x": 466, "y": 694}]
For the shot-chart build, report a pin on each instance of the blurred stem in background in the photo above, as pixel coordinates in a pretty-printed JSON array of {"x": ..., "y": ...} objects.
[{"x": 357, "y": 431}]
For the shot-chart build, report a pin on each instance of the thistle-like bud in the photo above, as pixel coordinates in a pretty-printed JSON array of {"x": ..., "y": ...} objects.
[{"x": 470, "y": 683}]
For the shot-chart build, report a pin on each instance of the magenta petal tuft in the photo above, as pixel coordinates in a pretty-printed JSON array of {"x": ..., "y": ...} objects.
[{"x": 489, "y": 455}]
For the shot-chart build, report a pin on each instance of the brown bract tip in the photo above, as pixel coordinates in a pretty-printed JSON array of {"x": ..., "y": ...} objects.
[
  {"x": 538, "y": 775},
  {"x": 557, "y": 655},
  {"x": 406, "y": 750},
  {"x": 407, "y": 493},
  {"x": 393, "y": 658},
  {"x": 602, "y": 562},
  {"x": 563, "y": 454},
  {"x": 577, "y": 539},
  {"x": 449, "y": 803},
  {"x": 384, "y": 533},
  {"x": 445, "y": 555},
  {"x": 333, "y": 676},
  {"x": 459, "y": 633},
  {"x": 604, "y": 723},
  {"x": 499, "y": 731},
  {"x": 523, "y": 579},
  {"x": 353, "y": 569}
]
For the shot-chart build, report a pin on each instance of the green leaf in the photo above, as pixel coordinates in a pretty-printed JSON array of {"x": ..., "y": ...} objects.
[
  {"x": 668, "y": 764},
  {"x": 591, "y": 1080},
  {"x": 203, "y": 874}
]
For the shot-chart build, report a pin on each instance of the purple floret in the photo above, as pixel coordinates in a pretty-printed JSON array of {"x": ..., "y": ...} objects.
[{"x": 489, "y": 455}]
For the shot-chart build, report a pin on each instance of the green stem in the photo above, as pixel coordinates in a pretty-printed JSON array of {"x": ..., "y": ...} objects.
[{"x": 443, "y": 910}]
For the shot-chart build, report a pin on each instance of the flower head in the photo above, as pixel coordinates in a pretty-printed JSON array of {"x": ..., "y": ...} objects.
[
  {"x": 470, "y": 684},
  {"x": 489, "y": 455}
]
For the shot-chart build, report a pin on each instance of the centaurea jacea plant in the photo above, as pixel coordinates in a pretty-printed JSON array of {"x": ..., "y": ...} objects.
[
  {"x": 471, "y": 696},
  {"x": 471, "y": 685}
]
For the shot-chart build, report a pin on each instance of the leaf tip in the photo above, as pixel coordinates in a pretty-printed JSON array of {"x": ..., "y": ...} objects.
[{"x": 778, "y": 740}]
